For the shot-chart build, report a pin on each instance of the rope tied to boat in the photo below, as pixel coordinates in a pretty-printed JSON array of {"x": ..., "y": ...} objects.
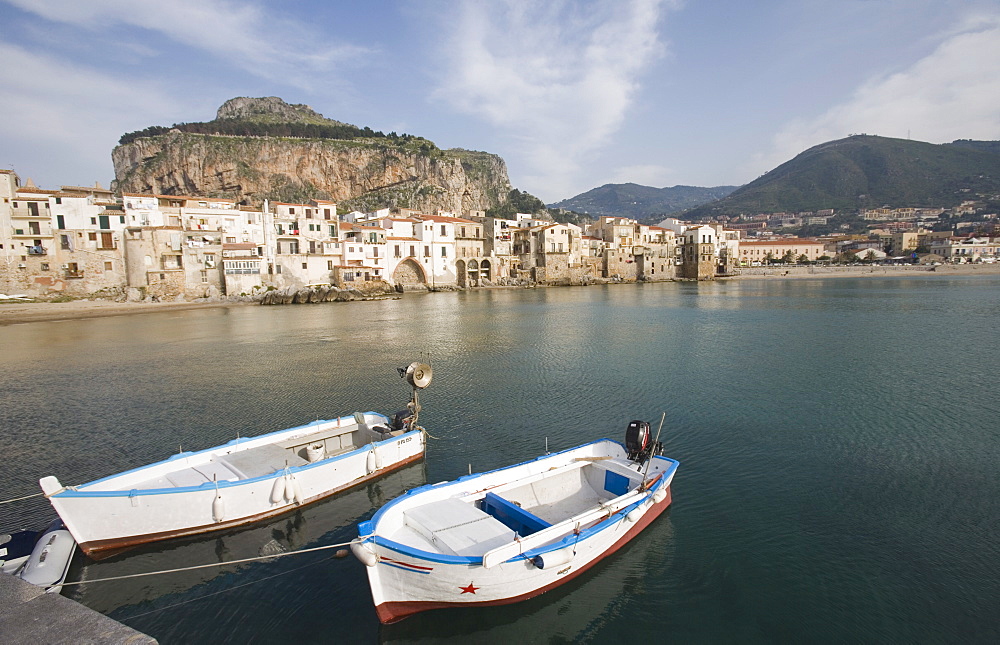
[
  {"x": 18, "y": 499},
  {"x": 216, "y": 564}
]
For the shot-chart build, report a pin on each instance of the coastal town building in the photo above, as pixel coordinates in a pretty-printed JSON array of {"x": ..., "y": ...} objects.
[
  {"x": 83, "y": 240},
  {"x": 758, "y": 252}
]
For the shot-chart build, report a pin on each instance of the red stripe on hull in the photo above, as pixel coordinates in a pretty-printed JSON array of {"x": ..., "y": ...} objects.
[
  {"x": 100, "y": 549},
  {"x": 392, "y": 612}
]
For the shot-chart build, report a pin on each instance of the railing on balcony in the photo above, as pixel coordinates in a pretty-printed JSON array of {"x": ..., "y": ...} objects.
[
  {"x": 37, "y": 250},
  {"x": 74, "y": 274}
]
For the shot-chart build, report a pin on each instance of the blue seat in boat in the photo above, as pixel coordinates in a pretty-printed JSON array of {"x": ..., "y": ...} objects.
[{"x": 523, "y": 522}]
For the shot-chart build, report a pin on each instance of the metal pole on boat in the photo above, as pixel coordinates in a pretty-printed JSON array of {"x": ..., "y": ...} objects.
[
  {"x": 418, "y": 375},
  {"x": 649, "y": 460}
]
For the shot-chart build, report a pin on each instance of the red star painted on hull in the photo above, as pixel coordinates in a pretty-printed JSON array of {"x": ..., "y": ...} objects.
[{"x": 470, "y": 589}]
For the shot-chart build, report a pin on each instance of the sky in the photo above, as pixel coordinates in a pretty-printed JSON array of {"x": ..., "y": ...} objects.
[{"x": 572, "y": 94}]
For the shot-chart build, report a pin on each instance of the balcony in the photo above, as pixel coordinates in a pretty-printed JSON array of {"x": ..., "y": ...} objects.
[
  {"x": 72, "y": 274},
  {"x": 37, "y": 250}
]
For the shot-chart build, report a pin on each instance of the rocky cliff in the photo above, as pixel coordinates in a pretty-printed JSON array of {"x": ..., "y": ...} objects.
[{"x": 362, "y": 172}]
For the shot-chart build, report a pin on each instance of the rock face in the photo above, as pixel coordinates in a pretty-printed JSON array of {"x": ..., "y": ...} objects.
[{"x": 361, "y": 173}]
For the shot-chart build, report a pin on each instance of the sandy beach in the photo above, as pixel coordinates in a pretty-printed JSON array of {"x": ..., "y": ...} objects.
[
  {"x": 902, "y": 271},
  {"x": 26, "y": 312}
]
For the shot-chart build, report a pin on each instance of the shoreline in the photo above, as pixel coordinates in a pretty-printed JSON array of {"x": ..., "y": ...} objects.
[
  {"x": 29, "y": 312},
  {"x": 14, "y": 313},
  {"x": 893, "y": 271}
]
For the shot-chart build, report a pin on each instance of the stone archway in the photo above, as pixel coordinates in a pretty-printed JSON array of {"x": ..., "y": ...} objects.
[
  {"x": 473, "y": 273},
  {"x": 485, "y": 270},
  {"x": 460, "y": 272},
  {"x": 409, "y": 274}
]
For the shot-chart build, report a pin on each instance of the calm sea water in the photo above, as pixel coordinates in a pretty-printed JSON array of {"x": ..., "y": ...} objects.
[{"x": 838, "y": 440}]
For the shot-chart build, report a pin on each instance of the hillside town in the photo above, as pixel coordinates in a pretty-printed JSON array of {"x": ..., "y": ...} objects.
[{"x": 84, "y": 241}]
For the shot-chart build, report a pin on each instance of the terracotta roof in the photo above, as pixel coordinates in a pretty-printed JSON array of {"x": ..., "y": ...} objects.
[
  {"x": 407, "y": 239},
  {"x": 239, "y": 246}
]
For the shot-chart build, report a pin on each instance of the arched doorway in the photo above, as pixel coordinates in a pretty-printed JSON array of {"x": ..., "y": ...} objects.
[
  {"x": 473, "y": 273},
  {"x": 460, "y": 271},
  {"x": 409, "y": 275},
  {"x": 485, "y": 270}
]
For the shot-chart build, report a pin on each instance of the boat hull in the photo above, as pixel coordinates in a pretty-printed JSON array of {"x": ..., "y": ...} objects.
[
  {"x": 508, "y": 535},
  {"x": 392, "y": 611},
  {"x": 107, "y": 515},
  {"x": 104, "y": 548}
]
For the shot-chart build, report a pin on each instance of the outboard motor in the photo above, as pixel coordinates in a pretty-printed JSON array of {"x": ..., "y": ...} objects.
[
  {"x": 402, "y": 420},
  {"x": 637, "y": 439},
  {"x": 639, "y": 442}
]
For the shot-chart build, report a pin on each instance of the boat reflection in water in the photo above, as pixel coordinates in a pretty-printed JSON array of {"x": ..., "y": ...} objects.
[
  {"x": 326, "y": 522},
  {"x": 574, "y": 612}
]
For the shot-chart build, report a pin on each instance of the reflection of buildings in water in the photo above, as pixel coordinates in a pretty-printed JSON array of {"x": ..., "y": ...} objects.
[
  {"x": 573, "y": 612},
  {"x": 326, "y": 522}
]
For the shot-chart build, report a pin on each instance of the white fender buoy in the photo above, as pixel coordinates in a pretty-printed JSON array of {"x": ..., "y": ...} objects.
[
  {"x": 635, "y": 514},
  {"x": 289, "y": 488},
  {"x": 297, "y": 491},
  {"x": 660, "y": 494},
  {"x": 278, "y": 490},
  {"x": 370, "y": 462},
  {"x": 367, "y": 558},
  {"x": 218, "y": 508},
  {"x": 553, "y": 558}
]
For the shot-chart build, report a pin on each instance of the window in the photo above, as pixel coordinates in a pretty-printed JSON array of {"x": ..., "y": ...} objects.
[
  {"x": 427, "y": 251},
  {"x": 326, "y": 213},
  {"x": 444, "y": 231},
  {"x": 462, "y": 231},
  {"x": 329, "y": 265},
  {"x": 305, "y": 266},
  {"x": 204, "y": 275},
  {"x": 397, "y": 253},
  {"x": 59, "y": 200},
  {"x": 413, "y": 251},
  {"x": 309, "y": 214},
  {"x": 45, "y": 266},
  {"x": 444, "y": 251},
  {"x": 375, "y": 252},
  {"x": 92, "y": 237},
  {"x": 93, "y": 221},
  {"x": 291, "y": 211}
]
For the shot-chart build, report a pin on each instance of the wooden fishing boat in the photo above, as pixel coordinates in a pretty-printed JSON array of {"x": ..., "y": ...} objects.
[
  {"x": 242, "y": 481},
  {"x": 511, "y": 534}
]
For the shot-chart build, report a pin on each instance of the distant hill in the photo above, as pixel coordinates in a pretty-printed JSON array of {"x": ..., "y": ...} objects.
[
  {"x": 641, "y": 202},
  {"x": 866, "y": 171}
]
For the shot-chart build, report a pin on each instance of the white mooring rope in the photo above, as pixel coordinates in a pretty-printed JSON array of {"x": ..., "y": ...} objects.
[
  {"x": 18, "y": 499},
  {"x": 213, "y": 564}
]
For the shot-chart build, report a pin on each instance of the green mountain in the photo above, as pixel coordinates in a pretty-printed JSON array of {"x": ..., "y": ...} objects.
[
  {"x": 866, "y": 171},
  {"x": 641, "y": 202}
]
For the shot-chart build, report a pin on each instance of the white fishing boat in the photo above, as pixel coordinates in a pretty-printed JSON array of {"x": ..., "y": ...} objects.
[
  {"x": 511, "y": 534},
  {"x": 242, "y": 481}
]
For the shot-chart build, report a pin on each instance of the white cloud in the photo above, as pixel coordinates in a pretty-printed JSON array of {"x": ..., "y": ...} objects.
[
  {"x": 556, "y": 77},
  {"x": 644, "y": 174},
  {"x": 243, "y": 34},
  {"x": 72, "y": 119},
  {"x": 952, "y": 93}
]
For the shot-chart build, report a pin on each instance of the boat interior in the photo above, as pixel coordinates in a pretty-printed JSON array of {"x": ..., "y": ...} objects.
[
  {"x": 260, "y": 456},
  {"x": 477, "y": 523}
]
